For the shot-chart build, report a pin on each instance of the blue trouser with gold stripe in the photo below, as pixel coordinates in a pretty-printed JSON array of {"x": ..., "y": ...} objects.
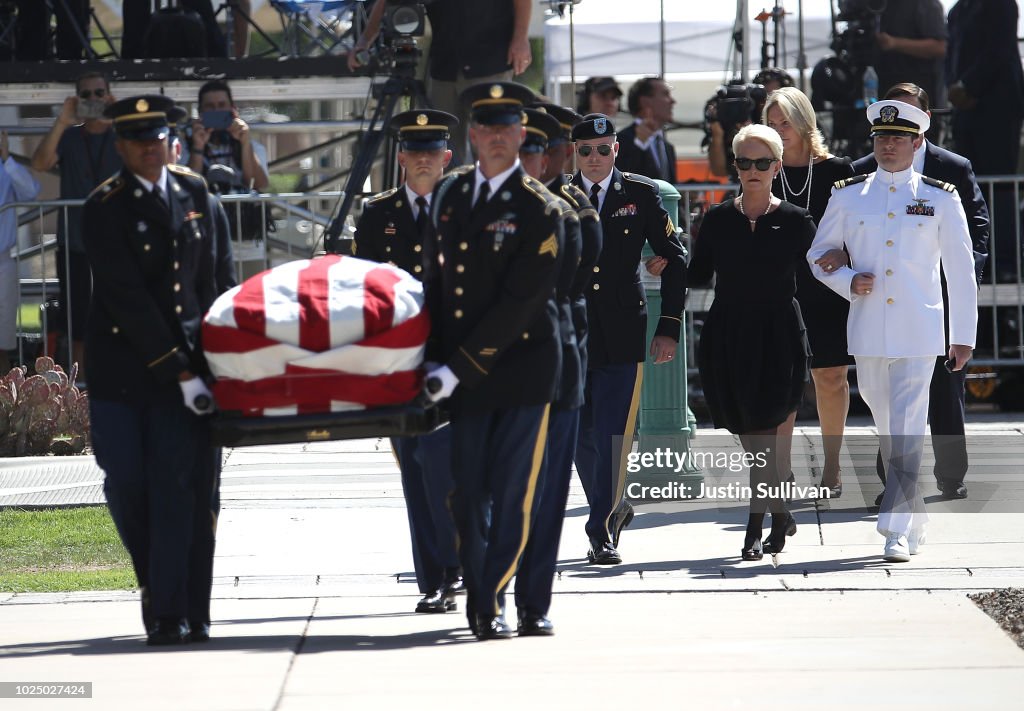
[
  {"x": 425, "y": 463},
  {"x": 537, "y": 567},
  {"x": 160, "y": 472},
  {"x": 497, "y": 458},
  {"x": 607, "y": 418}
]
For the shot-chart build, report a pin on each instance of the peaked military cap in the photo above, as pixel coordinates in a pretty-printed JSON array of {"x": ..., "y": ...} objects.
[
  {"x": 177, "y": 117},
  {"x": 541, "y": 128},
  {"x": 141, "y": 118},
  {"x": 897, "y": 118},
  {"x": 567, "y": 118},
  {"x": 497, "y": 102},
  {"x": 423, "y": 129},
  {"x": 593, "y": 126}
]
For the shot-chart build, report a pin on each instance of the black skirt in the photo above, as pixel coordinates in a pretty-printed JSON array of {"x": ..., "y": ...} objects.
[{"x": 754, "y": 363}]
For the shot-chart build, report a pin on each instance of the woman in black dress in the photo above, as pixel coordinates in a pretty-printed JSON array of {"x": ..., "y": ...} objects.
[
  {"x": 805, "y": 179},
  {"x": 753, "y": 353}
]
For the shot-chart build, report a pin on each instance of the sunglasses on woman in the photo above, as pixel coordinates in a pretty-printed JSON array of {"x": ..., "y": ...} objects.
[
  {"x": 761, "y": 164},
  {"x": 86, "y": 93},
  {"x": 602, "y": 149}
]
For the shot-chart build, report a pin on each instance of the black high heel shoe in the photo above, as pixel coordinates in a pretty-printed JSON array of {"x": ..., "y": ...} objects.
[
  {"x": 781, "y": 528},
  {"x": 834, "y": 492},
  {"x": 752, "y": 541}
]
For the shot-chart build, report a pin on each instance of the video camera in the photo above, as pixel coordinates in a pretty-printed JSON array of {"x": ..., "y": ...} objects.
[
  {"x": 857, "y": 43},
  {"x": 404, "y": 18},
  {"x": 734, "y": 104},
  {"x": 402, "y": 23}
]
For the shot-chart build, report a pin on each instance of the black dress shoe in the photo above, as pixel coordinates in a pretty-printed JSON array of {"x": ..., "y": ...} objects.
[
  {"x": 603, "y": 553},
  {"x": 783, "y": 525},
  {"x": 200, "y": 631},
  {"x": 441, "y": 600},
  {"x": 492, "y": 627},
  {"x": 621, "y": 519},
  {"x": 168, "y": 630},
  {"x": 455, "y": 586},
  {"x": 534, "y": 625},
  {"x": 952, "y": 490}
]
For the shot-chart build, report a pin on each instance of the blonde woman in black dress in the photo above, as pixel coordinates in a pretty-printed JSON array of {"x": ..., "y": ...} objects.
[
  {"x": 805, "y": 179},
  {"x": 752, "y": 352}
]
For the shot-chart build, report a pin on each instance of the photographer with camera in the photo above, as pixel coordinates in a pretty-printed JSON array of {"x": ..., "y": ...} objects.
[
  {"x": 474, "y": 41},
  {"x": 642, "y": 145},
  {"x": 733, "y": 107},
  {"x": 81, "y": 141},
  {"x": 220, "y": 136}
]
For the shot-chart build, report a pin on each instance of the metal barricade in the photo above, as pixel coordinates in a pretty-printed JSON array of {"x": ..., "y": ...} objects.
[{"x": 288, "y": 226}]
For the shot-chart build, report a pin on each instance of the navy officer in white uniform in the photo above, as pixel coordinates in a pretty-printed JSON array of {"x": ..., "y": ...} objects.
[{"x": 897, "y": 226}]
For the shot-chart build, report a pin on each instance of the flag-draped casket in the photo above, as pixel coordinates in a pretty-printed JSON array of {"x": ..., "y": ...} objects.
[{"x": 330, "y": 334}]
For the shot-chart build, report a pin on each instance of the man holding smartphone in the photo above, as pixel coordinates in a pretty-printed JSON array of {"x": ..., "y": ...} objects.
[
  {"x": 220, "y": 136},
  {"x": 82, "y": 142}
]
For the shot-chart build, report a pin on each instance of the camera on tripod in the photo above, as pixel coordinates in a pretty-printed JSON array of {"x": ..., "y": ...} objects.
[
  {"x": 402, "y": 23},
  {"x": 404, "y": 18}
]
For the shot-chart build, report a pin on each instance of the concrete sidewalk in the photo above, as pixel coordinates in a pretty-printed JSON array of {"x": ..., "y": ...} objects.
[{"x": 314, "y": 591}]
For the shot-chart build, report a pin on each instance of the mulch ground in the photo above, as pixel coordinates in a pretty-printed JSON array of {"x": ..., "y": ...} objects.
[{"x": 1006, "y": 607}]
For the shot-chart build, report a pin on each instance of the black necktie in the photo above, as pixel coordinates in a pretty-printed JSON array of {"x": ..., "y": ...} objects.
[
  {"x": 595, "y": 196},
  {"x": 481, "y": 200},
  {"x": 159, "y": 195},
  {"x": 421, "y": 217}
]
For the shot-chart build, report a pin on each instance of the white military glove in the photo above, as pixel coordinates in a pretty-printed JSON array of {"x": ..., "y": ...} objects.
[
  {"x": 448, "y": 381},
  {"x": 197, "y": 396}
]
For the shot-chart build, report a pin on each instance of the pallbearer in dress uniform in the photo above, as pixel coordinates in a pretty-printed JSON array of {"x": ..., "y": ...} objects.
[
  {"x": 897, "y": 226},
  {"x": 392, "y": 229},
  {"x": 149, "y": 240},
  {"x": 560, "y": 148},
  {"x": 490, "y": 289},
  {"x": 631, "y": 214},
  {"x": 582, "y": 246}
]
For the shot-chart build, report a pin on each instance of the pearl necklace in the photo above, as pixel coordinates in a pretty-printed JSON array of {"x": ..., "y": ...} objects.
[
  {"x": 807, "y": 184},
  {"x": 753, "y": 223}
]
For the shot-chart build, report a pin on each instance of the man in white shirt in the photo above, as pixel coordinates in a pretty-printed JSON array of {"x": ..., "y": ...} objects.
[{"x": 897, "y": 226}]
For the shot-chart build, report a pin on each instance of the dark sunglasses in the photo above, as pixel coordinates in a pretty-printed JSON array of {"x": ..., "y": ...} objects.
[
  {"x": 761, "y": 164},
  {"x": 86, "y": 93},
  {"x": 603, "y": 149}
]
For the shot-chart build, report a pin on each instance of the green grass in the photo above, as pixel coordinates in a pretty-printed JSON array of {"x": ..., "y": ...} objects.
[{"x": 60, "y": 550}]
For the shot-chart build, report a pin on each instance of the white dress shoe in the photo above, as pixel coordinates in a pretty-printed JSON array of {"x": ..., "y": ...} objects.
[
  {"x": 896, "y": 548},
  {"x": 917, "y": 538}
]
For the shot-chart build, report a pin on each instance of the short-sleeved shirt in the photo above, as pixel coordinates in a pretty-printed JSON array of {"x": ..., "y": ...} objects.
[
  {"x": 230, "y": 154},
  {"x": 470, "y": 37},
  {"x": 85, "y": 160},
  {"x": 912, "y": 19}
]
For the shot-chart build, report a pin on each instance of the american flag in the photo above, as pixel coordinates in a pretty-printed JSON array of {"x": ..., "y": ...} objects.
[{"x": 323, "y": 335}]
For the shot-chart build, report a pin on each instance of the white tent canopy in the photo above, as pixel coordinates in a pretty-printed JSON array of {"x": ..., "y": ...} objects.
[{"x": 623, "y": 37}]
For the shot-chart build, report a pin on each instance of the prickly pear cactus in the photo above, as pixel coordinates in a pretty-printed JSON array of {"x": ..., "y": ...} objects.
[{"x": 42, "y": 413}]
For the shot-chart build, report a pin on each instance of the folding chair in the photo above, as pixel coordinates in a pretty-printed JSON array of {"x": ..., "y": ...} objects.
[{"x": 315, "y": 26}]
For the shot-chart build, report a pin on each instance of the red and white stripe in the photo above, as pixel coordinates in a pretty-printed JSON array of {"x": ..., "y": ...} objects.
[{"x": 324, "y": 335}]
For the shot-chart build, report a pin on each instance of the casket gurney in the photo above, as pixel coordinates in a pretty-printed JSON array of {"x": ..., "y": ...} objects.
[{"x": 322, "y": 349}]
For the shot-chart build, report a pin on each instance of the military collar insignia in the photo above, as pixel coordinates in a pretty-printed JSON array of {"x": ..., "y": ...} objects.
[{"x": 888, "y": 114}]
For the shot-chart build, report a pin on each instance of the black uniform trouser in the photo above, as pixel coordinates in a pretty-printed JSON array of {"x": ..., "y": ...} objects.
[
  {"x": 607, "y": 418},
  {"x": 427, "y": 483},
  {"x": 537, "y": 567},
  {"x": 159, "y": 468},
  {"x": 946, "y": 418},
  {"x": 497, "y": 458}
]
